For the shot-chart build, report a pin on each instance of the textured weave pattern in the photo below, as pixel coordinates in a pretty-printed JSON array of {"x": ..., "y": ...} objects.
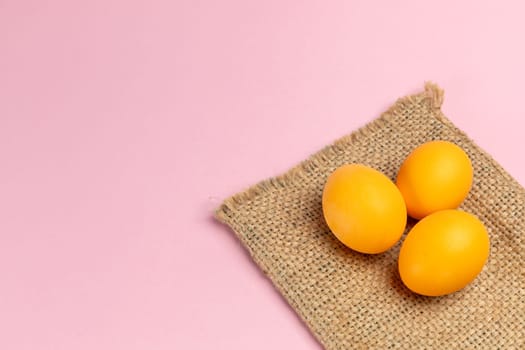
[{"x": 355, "y": 301}]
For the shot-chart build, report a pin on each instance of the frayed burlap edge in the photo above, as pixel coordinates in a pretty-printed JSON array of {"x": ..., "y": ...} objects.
[{"x": 432, "y": 92}]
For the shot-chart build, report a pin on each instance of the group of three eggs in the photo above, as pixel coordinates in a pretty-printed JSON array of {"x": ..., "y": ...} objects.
[{"x": 445, "y": 250}]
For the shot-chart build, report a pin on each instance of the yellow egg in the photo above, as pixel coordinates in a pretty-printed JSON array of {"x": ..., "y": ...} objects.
[
  {"x": 363, "y": 208},
  {"x": 435, "y": 176},
  {"x": 443, "y": 253}
]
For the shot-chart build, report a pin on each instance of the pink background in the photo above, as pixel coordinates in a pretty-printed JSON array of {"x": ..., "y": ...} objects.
[{"x": 124, "y": 123}]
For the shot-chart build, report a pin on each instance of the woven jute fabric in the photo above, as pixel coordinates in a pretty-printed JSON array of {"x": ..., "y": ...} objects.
[{"x": 356, "y": 301}]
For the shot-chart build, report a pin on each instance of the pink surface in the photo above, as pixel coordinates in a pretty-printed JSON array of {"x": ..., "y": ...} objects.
[{"x": 124, "y": 123}]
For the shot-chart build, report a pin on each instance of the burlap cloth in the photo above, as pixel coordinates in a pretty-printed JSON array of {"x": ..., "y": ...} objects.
[{"x": 355, "y": 301}]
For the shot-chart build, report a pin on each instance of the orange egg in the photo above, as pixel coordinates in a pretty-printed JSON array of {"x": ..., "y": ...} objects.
[
  {"x": 435, "y": 176},
  {"x": 363, "y": 208},
  {"x": 443, "y": 253}
]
